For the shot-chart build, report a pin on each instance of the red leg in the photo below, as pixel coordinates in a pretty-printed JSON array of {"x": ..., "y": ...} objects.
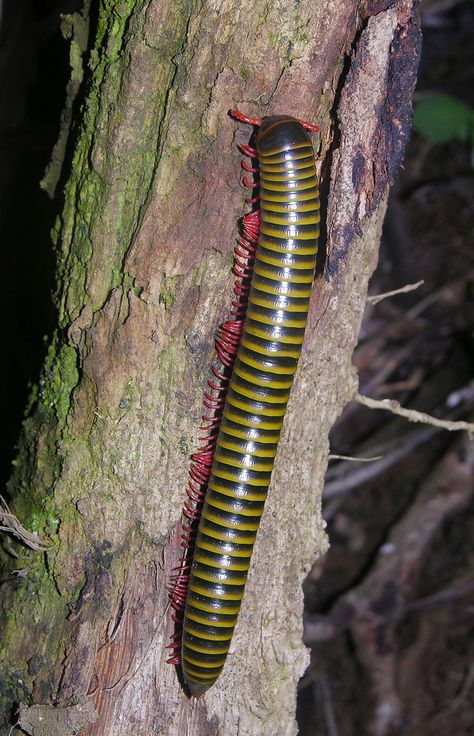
[
  {"x": 247, "y": 167},
  {"x": 248, "y": 151},
  {"x": 258, "y": 121},
  {"x": 246, "y": 118},
  {"x": 309, "y": 126}
]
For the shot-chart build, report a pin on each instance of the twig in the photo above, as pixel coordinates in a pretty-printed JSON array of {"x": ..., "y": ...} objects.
[
  {"x": 355, "y": 459},
  {"x": 322, "y": 694},
  {"x": 412, "y": 415},
  {"x": 328, "y": 709},
  {"x": 442, "y": 596},
  {"x": 324, "y": 627},
  {"x": 461, "y": 396},
  {"x": 468, "y": 682},
  {"x": 376, "y": 298},
  {"x": 10, "y": 524},
  {"x": 430, "y": 299},
  {"x": 393, "y": 453},
  {"x": 432, "y": 9}
]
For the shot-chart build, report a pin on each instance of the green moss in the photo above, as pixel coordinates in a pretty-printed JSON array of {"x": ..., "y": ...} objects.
[
  {"x": 56, "y": 230},
  {"x": 33, "y": 396},
  {"x": 38, "y": 611},
  {"x": 130, "y": 395},
  {"x": 12, "y": 690},
  {"x": 60, "y": 376},
  {"x": 100, "y": 202},
  {"x": 127, "y": 282},
  {"x": 166, "y": 298},
  {"x": 168, "y": 290},
  {"x": 273, "y": 38},
  {"x": 80, "y": 35}
]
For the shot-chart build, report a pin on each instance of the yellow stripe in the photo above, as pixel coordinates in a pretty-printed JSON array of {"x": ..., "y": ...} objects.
[
  {"x": 291, "y": 186},
  {"x": 245, "y": 461},
  {"x": 245, "y": 406},
  {"x": 227, "y": 596},
  {"x": 287, "y": 339},
  {"x": 236, "y": 539},
  {"x": 290, "y": 246},
  {"x": 291, "y": 196},
  {"x": 291, "y": 206},
  {"x": 298, "y": 262},
  {"x": 207, "y": 665},
  {"x": 269, "y": 398},
  {"x": 208, "y": 547},
  {"x": 227, "y": 507},
  {"x": 302, "y": 305},
  {"x": 259, "y": 364},
  {"x": 247, "y": 342},
  {"x": 226, "y": 491},
  {"x": 288, "y": 218},
  {"x": 280, "y": 288},
  {"x": 220, "y": 473},
  {"x": 199, "y": 557},
  {"x": 274, "y": 383},
  {"x": 193, "y": 616},
  {"x": 243, "y": 446},
  {"x": 260, "y": 423},
  {"x": 212, "y": 609},
  {"x": 288, "y": 174},
  {"x": 256, "y": 434},
  {"x": 198, "y": 678},
  {"x": 241, "y": 526},
  {"x": 290, "y": 165},
  {"x": 206, "y": 650},
  {"x": 284, "y": 321},
  {"x": 289, "y": 275},
  {"x": 211, "y": 637},
  {"x": 290, "y": 233},
  {"x": 213, "y": 579},
  {"x": 286, "y": 155}
]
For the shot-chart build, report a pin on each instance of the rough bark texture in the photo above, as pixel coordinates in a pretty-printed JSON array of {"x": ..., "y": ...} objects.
[{"x": 144, "y": 249}]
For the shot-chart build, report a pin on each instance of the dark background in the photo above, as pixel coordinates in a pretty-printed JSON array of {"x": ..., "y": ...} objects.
[
  {"x": 34, "y": 72},
  {"x": 417, "y": 348},
  {"x": 389, "y": 611}
]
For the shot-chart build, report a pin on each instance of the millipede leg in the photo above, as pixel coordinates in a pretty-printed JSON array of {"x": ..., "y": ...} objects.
[{"x": 246, "y": 118}]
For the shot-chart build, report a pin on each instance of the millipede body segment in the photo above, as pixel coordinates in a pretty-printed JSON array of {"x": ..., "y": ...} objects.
[{"x": 257, "y": 396}]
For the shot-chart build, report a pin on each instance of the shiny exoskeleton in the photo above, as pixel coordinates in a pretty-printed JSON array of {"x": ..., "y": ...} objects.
[{"x": 257, "y": 398}]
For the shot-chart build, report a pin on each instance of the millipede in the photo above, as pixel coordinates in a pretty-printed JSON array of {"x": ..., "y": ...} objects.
[{"x": 257, "y": 353}]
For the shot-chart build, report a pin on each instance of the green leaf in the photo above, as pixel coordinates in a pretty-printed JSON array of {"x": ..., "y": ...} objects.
[{"x": 441, "y": 118}]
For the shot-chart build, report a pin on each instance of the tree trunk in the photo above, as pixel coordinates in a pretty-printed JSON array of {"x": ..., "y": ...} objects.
[{"x": 144, "y": 250}]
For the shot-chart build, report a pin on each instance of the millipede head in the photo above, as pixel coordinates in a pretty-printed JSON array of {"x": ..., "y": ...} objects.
[{"x": 264, "y": 122}]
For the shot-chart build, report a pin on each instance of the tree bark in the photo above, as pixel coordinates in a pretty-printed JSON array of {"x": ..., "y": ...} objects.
[{"x": 144, "y": 250}]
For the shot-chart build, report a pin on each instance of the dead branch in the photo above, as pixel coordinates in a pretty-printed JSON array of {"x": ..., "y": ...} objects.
[
  {"x": 412, "y": 415},
  {"x": 376, "y": 298},
  {"x": 10, "y": 524}
]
